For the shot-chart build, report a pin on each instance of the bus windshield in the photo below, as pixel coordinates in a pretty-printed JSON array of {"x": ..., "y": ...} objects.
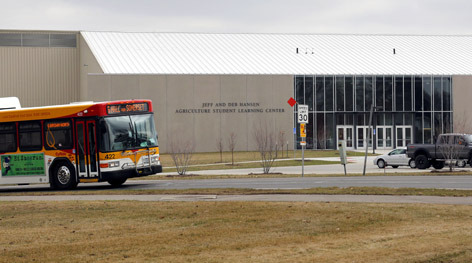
[{"x": 122, "y": 133}]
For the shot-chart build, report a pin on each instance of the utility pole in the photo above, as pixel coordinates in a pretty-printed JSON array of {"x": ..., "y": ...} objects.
[{"x": 368, "y": 137}]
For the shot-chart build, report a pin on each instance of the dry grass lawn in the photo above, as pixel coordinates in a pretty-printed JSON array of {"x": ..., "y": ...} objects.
[
  {"x": 233, "y": 232},
  {"x": 214, "y": 157}
]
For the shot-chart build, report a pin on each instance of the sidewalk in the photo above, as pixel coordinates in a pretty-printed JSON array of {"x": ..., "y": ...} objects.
[
  {"x": 245, "y": 198},
  {"x": 355, "y": 166}
]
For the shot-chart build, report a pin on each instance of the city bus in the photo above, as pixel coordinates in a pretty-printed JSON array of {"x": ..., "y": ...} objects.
[{"x": 83, "y": 142}]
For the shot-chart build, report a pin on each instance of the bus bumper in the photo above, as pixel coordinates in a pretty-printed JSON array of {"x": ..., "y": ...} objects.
[{"x": 130, "y": 173}]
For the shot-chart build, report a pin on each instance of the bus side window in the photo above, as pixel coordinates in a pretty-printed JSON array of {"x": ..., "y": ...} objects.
[
  {"x": 7, "y": 137},
  {"x": 30, "y": 136},
  {"x": 58, "y": 135}
]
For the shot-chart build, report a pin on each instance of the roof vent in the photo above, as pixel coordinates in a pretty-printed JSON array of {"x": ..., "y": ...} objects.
[
  {"x": 9, "y": 103},
  {"x": 305, "y": 50}
]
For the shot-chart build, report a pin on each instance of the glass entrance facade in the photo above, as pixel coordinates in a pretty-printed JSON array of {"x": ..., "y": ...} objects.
[{"x": 408, "y": 109}]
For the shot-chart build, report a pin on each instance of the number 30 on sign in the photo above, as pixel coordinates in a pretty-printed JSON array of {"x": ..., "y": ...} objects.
[{"x": 302, "y": 116}]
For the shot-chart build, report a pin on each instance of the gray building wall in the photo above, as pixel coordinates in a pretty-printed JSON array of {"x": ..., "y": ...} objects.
[
  {"x": 462, "y": 101},
  {"x": 39, "y": 75},
  {"x": 205, "y": 107},
  {"x": 87, "y": 64}
]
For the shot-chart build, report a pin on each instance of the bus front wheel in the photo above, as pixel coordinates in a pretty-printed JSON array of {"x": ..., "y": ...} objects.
[
  {"x": 117, "y": 182},
  {"x": 63, "y": 176}
]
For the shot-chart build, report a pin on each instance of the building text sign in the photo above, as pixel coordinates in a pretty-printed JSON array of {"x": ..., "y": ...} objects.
[{"x": 230, "y": 107}]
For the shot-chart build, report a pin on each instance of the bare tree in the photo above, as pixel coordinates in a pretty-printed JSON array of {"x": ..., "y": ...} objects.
[
  {"x": 451, "y": 146},
  {"x": 450, "y": 149},
  {"x": 220, "y": 146},
  {"x": 321, "y": 134},
  {"x": 181, "y": 152},
  {"x": 232, "y": 145},
  {"x": 281, "y": 140},
  {"x": 266, "y": 141}
]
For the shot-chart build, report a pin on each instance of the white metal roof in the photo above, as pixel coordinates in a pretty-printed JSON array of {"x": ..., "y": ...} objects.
[{"x": 195, "y": 53}]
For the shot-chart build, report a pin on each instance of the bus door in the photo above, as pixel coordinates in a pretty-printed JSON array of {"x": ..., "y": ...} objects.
[{"x": 87, "y": 153}]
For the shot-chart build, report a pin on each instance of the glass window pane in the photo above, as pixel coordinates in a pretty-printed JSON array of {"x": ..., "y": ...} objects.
[
  {"x": 388, "y": 119},
  {"x": 379, "y": 92},
  {"x": 437, "y": 124},
  {"x": 30, "y": 138},
  {"x": 309, "y": 92},
  {"x": 81, "y": 146},
  {"x": 427, "y": 127},
  {"x": 299, "y": 90},
  {"x": 339, "y": 119},
  {"x": 408, "y": 95},
  {"x": 446, "y": 88},
  {"x": 427, "y": 86},
  {"x": 369, "y": 92},
  {"x": 349, "y": 119},
  {"x": 399, "y": 93},
  {"x": 380, "y": 137},
  {"x": 418, "y": 94},
  {"x": 340, "y": 93},
  {"x": 360, "y": 93},
  {"x": 320, "y": 96},
  {"x": 398, "y": 118},
  {"x": 380, "y": 119},
  {"x": 320, "y": 131},
  {"x": 7, "y": 137},
  {"x": 360, "y": 119},
  {"x": 408, "y": 119},
  {"x": 309, "y": 132},
  {"x": 388, "y": 93},
  {"x": 418, "y": 128},
  {"x": 58, "y": 134},
  {"x": 329, "y": 93},
  {"x": 437, "y": 94},
  {"x": 447, "y": 122},
  {"x": 360, "y": 137},
  {"x": 388, "y": 135},
  {"x": 400, "y": 137},
  {"x": 349, "y": 90},
  {"x": 146, "y": 135},
  {"x": 330, "y": 132}
]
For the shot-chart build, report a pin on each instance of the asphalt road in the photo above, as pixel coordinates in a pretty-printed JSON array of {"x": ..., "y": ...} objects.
[{"x": 444, "y": 182}]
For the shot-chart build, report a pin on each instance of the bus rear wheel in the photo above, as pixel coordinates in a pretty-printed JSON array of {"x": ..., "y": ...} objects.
[
  {"x": 117, "y": 182},
  {"x": 63, "y": 176}
]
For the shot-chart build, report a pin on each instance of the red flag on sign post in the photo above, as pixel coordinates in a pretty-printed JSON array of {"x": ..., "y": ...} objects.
[{"x": 291, "y": 101}]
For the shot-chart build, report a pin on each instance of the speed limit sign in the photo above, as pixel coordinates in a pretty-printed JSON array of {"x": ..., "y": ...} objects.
[{"x": 302, "y": 116}]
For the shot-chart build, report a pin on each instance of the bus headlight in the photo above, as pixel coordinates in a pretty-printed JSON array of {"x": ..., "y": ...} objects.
[
  {"x": 114, "y": 164},
  {"x": 155, "y": 159}
]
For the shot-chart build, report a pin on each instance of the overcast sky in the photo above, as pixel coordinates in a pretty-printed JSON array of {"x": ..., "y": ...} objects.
[{"x": 242, "y": 16}]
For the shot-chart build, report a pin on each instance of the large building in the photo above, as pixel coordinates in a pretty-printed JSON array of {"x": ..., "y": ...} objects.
[{"x": 208, "y": 86}]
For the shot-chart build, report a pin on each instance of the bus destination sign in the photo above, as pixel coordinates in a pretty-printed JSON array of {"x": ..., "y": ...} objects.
[{"x": 127, "y": 108}]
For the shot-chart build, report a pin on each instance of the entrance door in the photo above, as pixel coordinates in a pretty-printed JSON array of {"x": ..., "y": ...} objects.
[
  {"x": 87, "y": 160},
  {"x": 384, "y": 137},
  {"x": 404, "y": 135},
  {"x": 346, "y": 133},
  {"x": 362, "y": 137}
]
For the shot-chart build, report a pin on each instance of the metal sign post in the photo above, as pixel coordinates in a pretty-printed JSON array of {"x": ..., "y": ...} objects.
[
  {"x": 303, "y": 144},
  {"x": 302, "y": 118},
  {"x": 342, "y": 154}
]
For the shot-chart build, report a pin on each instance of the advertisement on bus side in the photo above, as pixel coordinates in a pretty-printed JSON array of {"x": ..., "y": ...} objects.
[{"x": 22, "y": 164}]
